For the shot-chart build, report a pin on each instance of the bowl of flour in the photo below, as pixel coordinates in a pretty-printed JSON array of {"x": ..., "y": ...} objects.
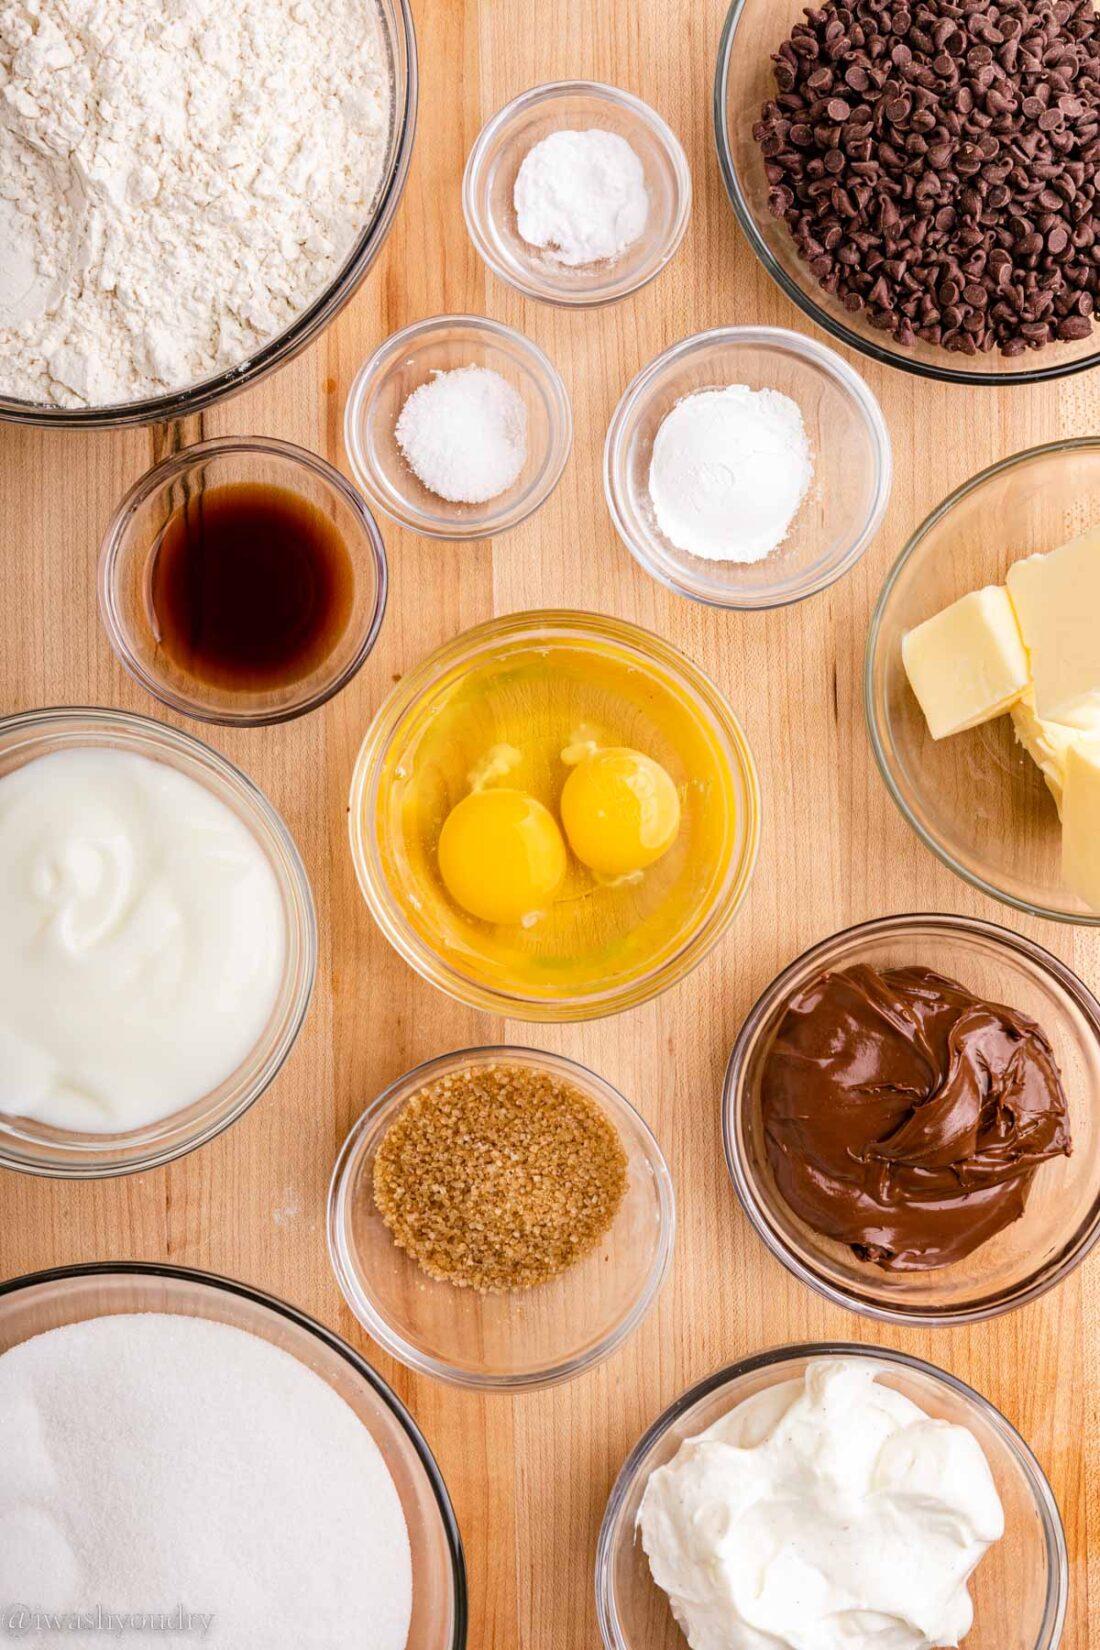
[
  {"x": 188, "y": 194},
  {"x": 186, "y": 1458}
]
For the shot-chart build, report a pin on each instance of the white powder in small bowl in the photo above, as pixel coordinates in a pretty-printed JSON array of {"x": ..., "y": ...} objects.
[
  {"x": 151, "y": 1462},
  {"x": 581, "y": 197},
  {"x": 730, "y": 469},
  {"x": 464, "y": 434}
]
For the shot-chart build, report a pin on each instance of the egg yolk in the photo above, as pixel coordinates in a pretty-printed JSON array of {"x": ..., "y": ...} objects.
[
  {"x": 501, "y": 855},
  {"x": 621, "y": 811}
]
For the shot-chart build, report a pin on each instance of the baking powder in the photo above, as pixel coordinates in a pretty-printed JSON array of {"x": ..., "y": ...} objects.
[{"x": 730, "y": 468}]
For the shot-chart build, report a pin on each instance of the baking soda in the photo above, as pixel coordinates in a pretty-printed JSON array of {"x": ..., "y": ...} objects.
[{"x": 581, "y": 197}]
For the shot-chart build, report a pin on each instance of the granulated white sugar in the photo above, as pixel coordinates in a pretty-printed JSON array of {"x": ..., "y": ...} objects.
[{"x": 153, "y": 1463}]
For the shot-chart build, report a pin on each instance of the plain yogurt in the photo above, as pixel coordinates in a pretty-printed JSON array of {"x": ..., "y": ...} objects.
[{"x": 142, "y": 940}]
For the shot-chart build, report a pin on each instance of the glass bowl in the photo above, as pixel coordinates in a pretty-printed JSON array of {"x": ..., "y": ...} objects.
[
  {"x": 840, "y": 514},
  {"x": 37, "y": 1148},
  {"x": 1019, "y": 1588},
  {"x": 409, "y": 359},
  {"x": 977, "y": 799},
  {"x": 489, "y": 184},
  {"x": 48, "y": 1300},
  {"x": 400, "y": 42},
  {"x": 1062, "y": 1220},
  {"x": 743, "y": 82},
  {"x": 532, "y": 1337},
  {"x": 381, "y": 859},
  {"x": 132, "y": 543}
]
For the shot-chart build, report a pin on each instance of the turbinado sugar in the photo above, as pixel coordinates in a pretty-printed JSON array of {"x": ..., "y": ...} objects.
[
  {"x": 152, "y": 1463},
  {"x": 938, "y": 165}
]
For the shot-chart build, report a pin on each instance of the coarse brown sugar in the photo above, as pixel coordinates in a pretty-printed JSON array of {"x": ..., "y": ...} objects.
[{"x": 499, "y": 1177}]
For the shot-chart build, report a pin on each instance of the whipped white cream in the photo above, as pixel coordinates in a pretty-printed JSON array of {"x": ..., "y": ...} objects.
[{"x": 825, "y": 1513}]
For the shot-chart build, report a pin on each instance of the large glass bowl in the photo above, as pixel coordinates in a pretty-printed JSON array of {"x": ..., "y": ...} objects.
[
  {"x": 977, "y": 799},
  {"x": 400, "y": 42},
  {"x": 532, "y": 1337},
  {"x": 38, "y": 1148},
  {"x": 743, "y": 82},
  {"x": 1061, "y": 1223},
  {"x": 408, "y": 905},
  {"x": 48, "y": 1300},
  {"x": 1019, "y": 1588}
]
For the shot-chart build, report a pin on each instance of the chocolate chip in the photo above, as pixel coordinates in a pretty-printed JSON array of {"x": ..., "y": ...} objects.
[{"x": 954, "y": 194}]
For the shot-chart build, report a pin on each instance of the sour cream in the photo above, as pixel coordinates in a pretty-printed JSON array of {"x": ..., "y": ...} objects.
[
  {"x": 825, "y": 1513},
  {"x": 142, "y": 940}
]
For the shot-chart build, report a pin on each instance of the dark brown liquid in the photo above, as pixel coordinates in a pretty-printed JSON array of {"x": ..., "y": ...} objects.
[{"x": 251, "y": 588}]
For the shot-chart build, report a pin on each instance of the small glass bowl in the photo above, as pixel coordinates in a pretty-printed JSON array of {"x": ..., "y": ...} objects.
[
  {"x": 853, "y": 466},
  {"x": 530, "y": 1338},
  {"x": 37, "y": 1148},
  {"x": 977, "y": 799},
  {"x": 488, "y": 187},
  {"x": 1062, "y": 1220},
  {"x": 421, "y": 689},
  {"x": 32, "y": 1305},
  {"x": 410, "y": 358},
  {"x": 129, "y": 553},
  {"x": 754, "y": 30},
  {"x": 1019, "y": 1589}
]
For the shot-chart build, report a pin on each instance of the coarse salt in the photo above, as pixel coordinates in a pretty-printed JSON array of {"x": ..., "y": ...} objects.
[{"x": 464, "y": 434}]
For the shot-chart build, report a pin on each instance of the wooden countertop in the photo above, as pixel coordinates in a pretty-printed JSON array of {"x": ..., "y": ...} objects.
[{"x": 530, "y": 1475}]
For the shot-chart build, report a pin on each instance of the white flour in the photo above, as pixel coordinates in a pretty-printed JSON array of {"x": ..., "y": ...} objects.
[
  {"x": 151, "y": 1462},
  {"x": 179, "y": 179}
]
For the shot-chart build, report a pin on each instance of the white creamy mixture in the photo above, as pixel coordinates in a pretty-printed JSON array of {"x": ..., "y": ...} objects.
[
  {"x": 142, "y": 940},
  {"x": 153, "y": 1462},
  {"x": 581, "y": 197},
  {"x": 826, "y": 1513},
  {"x": 730, "y": 468},
  {"x": 178, "y": 181}
]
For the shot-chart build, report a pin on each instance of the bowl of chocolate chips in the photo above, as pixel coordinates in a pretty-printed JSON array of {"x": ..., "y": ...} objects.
[{"x": 922, "y": 177}]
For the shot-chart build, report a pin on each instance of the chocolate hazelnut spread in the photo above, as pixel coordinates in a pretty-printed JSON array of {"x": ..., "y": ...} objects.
[{"x": 906, "y": 1117}]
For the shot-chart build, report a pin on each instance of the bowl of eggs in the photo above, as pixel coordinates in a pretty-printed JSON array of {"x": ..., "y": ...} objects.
[{"x": 554, "y": 816}]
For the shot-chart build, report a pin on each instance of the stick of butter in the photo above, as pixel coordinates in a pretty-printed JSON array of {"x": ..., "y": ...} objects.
[
  {"x": 1057, "y": 602},
  {"x": 966, "y": 664},
  {"x": 1047, "y": 743},
  {"x": 1081, "y": 821}
]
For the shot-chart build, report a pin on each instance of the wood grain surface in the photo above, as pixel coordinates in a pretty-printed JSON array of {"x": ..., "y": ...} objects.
[{"x": 530, "y": 1475}]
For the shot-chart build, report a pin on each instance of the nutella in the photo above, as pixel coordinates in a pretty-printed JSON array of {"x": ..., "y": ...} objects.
[{"x": 906, "y": 1117}]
